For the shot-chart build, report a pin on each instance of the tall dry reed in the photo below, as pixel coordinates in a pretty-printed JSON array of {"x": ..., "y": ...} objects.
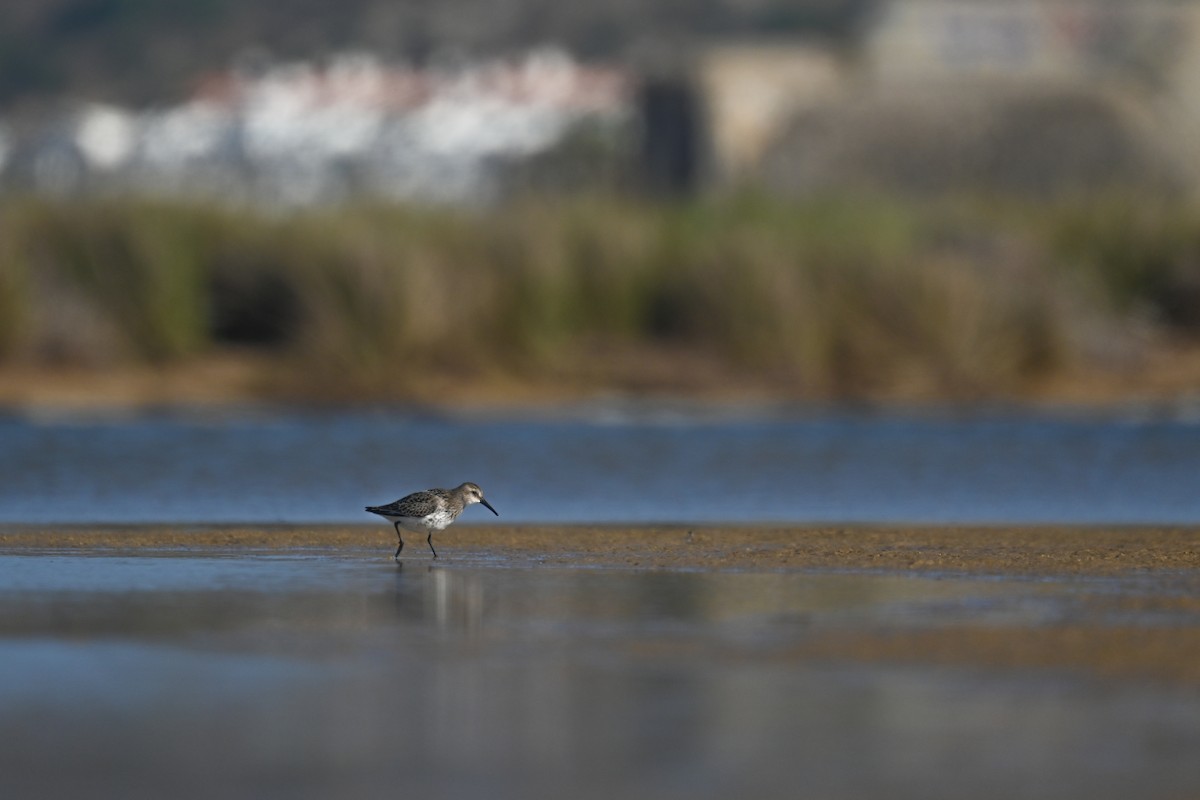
[{"x": 835, "y": 296}]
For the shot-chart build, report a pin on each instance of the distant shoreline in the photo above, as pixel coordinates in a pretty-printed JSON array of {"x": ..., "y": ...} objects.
[{"x": 1166, "y": 383}]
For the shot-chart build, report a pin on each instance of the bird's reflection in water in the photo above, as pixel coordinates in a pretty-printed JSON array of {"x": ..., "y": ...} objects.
[
  {"x": 446, "y": 599},
  {"x": 456, "y": 600}
]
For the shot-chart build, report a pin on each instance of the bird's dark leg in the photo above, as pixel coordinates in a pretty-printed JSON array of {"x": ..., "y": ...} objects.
[
  {"x": 429, "y": 541},
  {"x": 400, "y": 539}
]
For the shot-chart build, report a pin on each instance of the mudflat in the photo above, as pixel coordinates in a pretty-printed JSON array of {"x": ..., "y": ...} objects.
[
  {"x": 552, "y": 661},
  {"x": 1130, "y": 607},
  {"x": 1008, "y": 551}
]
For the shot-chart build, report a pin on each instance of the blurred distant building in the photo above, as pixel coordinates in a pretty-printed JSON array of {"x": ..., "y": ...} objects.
[
  {"x": 1076, "y": 69},
  {"x": 295, "y": 134},
  {"x": 933, "y": 95},
  {"x": 1022, "y": 95},
  {"x": 752, "y": 92},
  {"x": 709, "y": 117},
  {"x": 1078, "y": 41}
]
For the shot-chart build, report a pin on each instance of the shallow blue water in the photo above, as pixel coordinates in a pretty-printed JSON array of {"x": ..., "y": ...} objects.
[
  {"x": 829, "y": 468},
  {"x": 341, "y": 674}
]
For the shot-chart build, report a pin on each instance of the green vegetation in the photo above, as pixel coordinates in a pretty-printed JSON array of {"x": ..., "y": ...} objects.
[{"x": 830, "y": 298}]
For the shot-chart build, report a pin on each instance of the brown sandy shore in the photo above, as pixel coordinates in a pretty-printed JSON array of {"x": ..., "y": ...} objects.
[
  {"x": 1167, "y": 377},
  {"x": 1006, "y": 551},
  {"x": 1165, "y": 560}
]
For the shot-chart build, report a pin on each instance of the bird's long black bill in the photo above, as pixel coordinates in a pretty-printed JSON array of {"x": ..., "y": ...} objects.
[{"x": 488, "y": 506}]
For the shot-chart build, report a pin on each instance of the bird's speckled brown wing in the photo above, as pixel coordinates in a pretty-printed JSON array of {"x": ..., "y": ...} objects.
[{"x": 416, "y": 505}]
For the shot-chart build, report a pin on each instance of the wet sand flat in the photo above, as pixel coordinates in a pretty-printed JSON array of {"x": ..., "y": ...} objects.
[
  {"x": 550, "y": 661},
  {"x": 1104, "y": 634},
  {"x": 1025, "y": 551}
]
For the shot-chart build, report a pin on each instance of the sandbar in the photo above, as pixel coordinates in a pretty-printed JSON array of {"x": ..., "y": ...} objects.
[
  {"x": 1150, "y": 632},
  {"x": 979, "y": 550}
]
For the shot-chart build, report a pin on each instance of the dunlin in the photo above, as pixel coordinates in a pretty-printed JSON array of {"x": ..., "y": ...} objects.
[{"x": 430, "y": 510}]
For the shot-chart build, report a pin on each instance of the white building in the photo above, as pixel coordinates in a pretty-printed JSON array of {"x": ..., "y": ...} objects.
[{"x": 296, "y": 134}]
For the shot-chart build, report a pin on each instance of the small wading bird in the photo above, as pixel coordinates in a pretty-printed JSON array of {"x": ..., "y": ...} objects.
[{"x": 430, "y": 510}]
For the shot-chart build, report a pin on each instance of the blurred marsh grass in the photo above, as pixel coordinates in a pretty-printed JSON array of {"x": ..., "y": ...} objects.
[{"x": 832, "y": 297}]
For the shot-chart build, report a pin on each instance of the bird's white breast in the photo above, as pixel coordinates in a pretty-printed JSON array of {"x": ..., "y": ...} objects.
[{"x": 436, "y": 521}]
